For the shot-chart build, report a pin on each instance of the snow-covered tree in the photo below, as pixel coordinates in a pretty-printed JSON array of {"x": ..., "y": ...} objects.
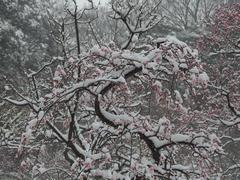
[
  {"x": 24, "y": 39},
  {"x": 220, "y": 48},
  {"x": 186, "y": 18},
  {"x": 135, "y": 107}
]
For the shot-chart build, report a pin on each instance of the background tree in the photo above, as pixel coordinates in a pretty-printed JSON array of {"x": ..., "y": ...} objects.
[
  {"x": 24, "y": 37},
  {"x": 25, "y": 43},
  {"x": 220, "y": 49}
]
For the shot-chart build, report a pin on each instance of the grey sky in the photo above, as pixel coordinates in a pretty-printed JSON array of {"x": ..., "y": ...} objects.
[{"x": 85, "y": 2}]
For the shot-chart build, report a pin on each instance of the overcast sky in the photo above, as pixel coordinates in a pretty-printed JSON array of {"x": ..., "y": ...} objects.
[{"x": 85, "y": 2}]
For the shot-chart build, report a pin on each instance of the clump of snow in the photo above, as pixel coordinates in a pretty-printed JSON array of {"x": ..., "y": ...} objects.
[
  {"x": 194, "y": 70},
  {"x": 96, "y": 125},
  {"x": 49, "y": 96},
  {"x": 33, "y": 122},
  {"x": 40, "y": 115},
  {"x": 71, "y": 60},
  {"x": 203, "y": 78},
  {"x": 48, "y": 133},
  {"x": 183, "y": 65},
  {"x": 174, "y": 40},
  {"x": 25, "y": 139},
  {"x": 95, "y": 50},
  {"x": 7, "y": 88},
  {"x": 178, "y": 97},
  {"x": 161, "y": 40},
  {"x": 163, "y": 120},
  {"x": 19, "y": 33},
  {"x": 57, "y": 91},
  {"x": 157, "y": 84},
  {"x": 135, "y": 38}
]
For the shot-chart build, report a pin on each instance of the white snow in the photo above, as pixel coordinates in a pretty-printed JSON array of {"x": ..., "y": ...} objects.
[
  {"x": 173, "y": 39},
  {"x": 203, "y": 78},
  {"x": 40, "y": 115},
  {"x": 33, "y": 122},
  {"x": 194, "y": 70},
  {"x": 7, "y": 88},
  {"x": 178, "y": 96}
]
